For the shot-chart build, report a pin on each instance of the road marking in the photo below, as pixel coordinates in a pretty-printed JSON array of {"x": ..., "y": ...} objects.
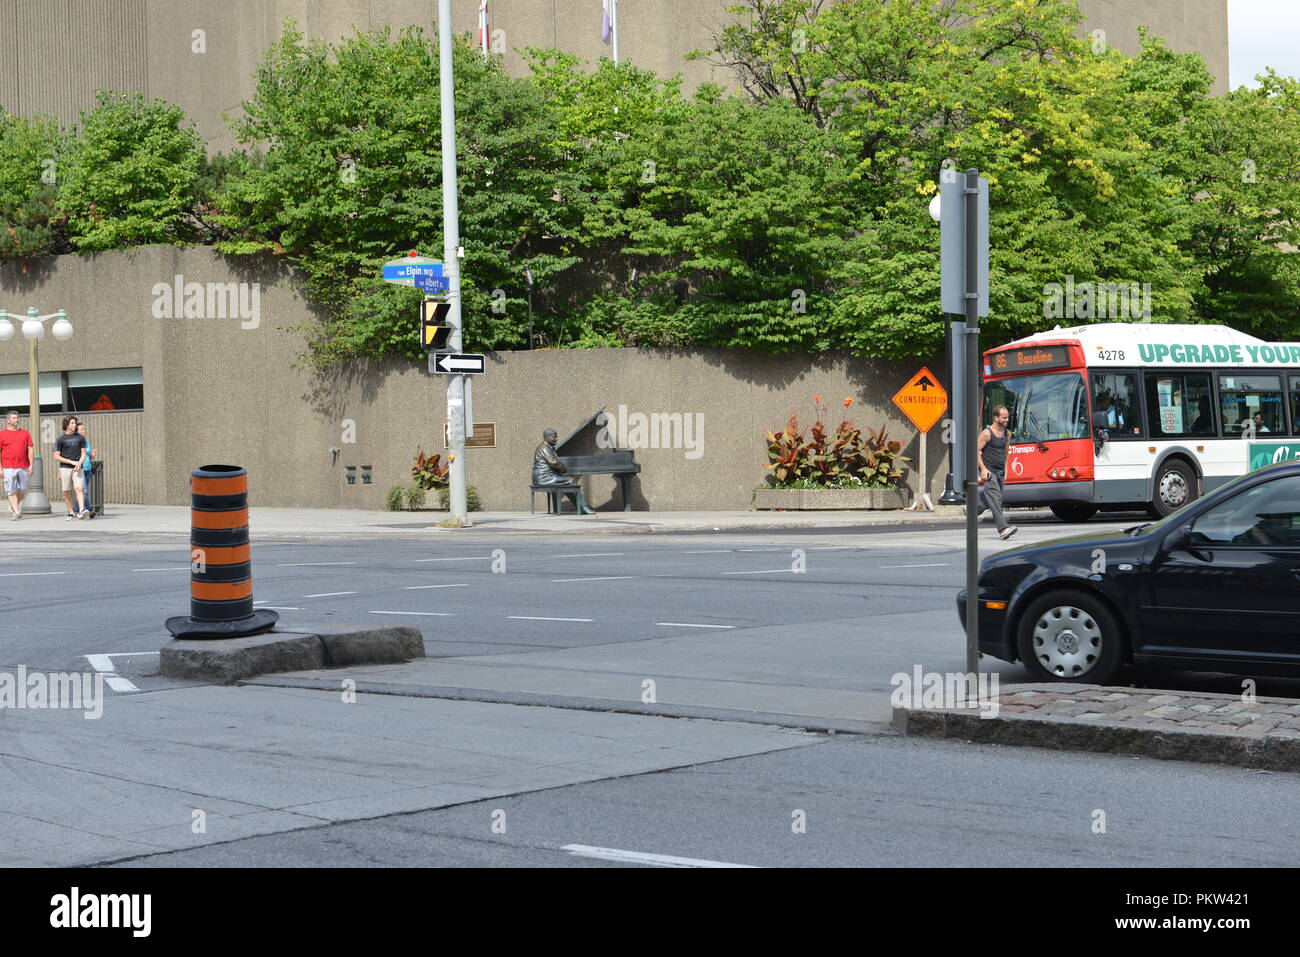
[
  {"x": 590, "y": 555},
  {"x": 443, "y": 614},
  {"x": 711, "y": 551},
  {"x": 417, "y": 587},
  {"x": 104, "y": 665},
  {"x": 765, "y": 571},
  {"x": 284, "y": 607},
  {"x": 29, "y": 574},
  {"x": 932, "y": 565},
  {"x": 171, "y": 568},
  {"x": 688, "y": 624},
  {"x": 305, "y": 564},
  {"x": 760, "y": 549},
  {"x": 599, "y": 578},
  {"x": 329, "y": 594},
  {"x": 470, "y": 558},
  {"x": 539, "y": 618},
  {"x": 640, "y": 857}
]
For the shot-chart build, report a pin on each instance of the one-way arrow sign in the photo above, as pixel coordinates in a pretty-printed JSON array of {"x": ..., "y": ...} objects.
[{"x": 453, "y": 363}]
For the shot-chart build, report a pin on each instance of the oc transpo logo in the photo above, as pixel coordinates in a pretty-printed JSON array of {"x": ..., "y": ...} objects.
[{"x": 1017, "y": 467}]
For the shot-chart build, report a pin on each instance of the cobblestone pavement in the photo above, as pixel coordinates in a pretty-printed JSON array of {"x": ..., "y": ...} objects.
[{"x": 1243, "y": 730}]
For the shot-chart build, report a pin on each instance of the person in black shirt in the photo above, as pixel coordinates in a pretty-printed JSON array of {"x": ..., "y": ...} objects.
[
  {"x": 993, "y": 466},
  {"x": 70, "y": 452}
]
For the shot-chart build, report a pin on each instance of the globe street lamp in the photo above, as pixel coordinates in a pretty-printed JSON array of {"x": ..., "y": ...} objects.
[{"x": 33, "y": 328}]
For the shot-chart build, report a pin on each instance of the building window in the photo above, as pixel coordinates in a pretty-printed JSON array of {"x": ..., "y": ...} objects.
[
  {"x": 105, "y": 390},
  {"x": 16, "y": 394}
]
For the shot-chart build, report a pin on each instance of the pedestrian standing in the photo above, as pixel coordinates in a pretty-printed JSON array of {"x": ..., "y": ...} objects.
[
  {"x": 70, "y": 452},
  {"x": 87, "y": 469},
  {"x": 16, "y": 461},
  {"x": 993, "y": 468}
]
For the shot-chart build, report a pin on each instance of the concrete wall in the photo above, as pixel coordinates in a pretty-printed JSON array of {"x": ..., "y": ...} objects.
[
  {"x": 55, "y": 53},
  {"x": 219, "y": 393}
]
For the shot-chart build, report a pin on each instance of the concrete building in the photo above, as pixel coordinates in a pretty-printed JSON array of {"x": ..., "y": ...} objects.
[{"x": 202, "y": 56}]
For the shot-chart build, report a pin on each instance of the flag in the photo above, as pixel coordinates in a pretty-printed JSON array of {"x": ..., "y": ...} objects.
[
  {"x": 604, "y": 22},
  {"x": 484, "y": 31}
]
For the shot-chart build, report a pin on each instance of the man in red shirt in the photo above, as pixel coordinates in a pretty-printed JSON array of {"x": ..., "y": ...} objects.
[{"x": 16, "y": 461}]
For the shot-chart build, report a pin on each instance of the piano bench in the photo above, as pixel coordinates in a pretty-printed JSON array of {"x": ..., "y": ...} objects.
[{"x": 553, "y": 494}]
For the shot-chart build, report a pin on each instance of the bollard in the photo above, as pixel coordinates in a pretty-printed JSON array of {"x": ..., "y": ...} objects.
[{"x": 221, "y": 578}]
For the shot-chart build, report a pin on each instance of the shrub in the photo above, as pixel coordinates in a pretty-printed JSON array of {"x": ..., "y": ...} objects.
[
  {"x": 429, "y": 471},
  {"x": 822, "y": 460},
  {"x": 415, "y": 497},
  {"x": 472, "y": 502},
  {"x": 394, "y": 497}
]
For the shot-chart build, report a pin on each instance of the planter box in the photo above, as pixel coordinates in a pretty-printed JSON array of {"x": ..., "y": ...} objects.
[{"x": 858, "y": 499}]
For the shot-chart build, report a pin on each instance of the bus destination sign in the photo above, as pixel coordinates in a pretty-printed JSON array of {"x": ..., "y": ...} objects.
[{"x": 1026, "y": 360}]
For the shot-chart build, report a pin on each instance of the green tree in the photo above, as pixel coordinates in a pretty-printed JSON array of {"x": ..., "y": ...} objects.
[
  {"x": 130, "y": 174},
  {"x": 31, "y": 151}
]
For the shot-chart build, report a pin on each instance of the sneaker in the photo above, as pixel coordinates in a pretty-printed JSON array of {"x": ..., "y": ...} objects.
[
  {"x": 1008, "y": 532},
  {"x": 70, "y": 517},
  {"x": 84, "y": 513}
]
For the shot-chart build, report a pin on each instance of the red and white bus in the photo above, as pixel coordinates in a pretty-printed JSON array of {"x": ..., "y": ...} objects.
[{"x": 1140, "y": 415}]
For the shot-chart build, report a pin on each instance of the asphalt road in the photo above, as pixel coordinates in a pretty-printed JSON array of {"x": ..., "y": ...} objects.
[{"x": 871, "y": 801}]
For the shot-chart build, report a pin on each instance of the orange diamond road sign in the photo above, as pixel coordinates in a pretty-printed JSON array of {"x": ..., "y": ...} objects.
[{"x": 923, "y": 400}]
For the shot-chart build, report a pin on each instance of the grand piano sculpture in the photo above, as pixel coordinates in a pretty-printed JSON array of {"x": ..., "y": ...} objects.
[{"x": 560, "y": 482}]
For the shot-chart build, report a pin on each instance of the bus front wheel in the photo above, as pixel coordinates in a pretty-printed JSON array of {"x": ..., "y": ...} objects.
[
  {"x": 1073, "y": 511},
  {"x": 1175, "y": 487}
]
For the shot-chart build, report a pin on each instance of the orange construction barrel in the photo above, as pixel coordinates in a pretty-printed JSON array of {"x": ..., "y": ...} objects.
[{"x": 221, "y": 576}]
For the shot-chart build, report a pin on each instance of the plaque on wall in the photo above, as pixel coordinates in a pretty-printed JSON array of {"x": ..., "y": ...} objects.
[{"x": 484, "y": 437}]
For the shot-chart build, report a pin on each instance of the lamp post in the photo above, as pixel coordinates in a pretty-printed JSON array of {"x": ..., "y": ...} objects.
[{"x": 33, "y": 327}]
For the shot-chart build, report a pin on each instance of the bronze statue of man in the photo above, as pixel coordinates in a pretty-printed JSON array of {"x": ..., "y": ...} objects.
[{"x": 549, "y": 470}]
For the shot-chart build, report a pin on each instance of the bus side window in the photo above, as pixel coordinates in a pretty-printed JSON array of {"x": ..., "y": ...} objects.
[{"x": 1115, "y": 396}]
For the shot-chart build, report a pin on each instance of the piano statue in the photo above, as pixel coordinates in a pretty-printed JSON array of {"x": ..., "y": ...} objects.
[{"x": 620, "y": 463}]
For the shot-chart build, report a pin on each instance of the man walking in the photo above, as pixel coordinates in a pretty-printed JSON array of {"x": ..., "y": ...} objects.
[
  {"x": 70, "y": 452},
  {"x": 16, "y": 461},
  {"x": 993, "y": 468}
]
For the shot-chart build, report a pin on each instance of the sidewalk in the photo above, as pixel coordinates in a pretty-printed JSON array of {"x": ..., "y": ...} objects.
[{"x": 359, "y": 523}]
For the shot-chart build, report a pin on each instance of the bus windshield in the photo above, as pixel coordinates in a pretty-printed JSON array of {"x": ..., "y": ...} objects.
[{"x": 1042, "y": 407}]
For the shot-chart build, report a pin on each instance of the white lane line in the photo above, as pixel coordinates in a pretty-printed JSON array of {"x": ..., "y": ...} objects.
[
  {"x": 172, "y": 568},
  {"x": 118, "y": 683},
  {"x": 306, "y": 564},
  {"x": 598, "y": 578},
  {"x": 104, "y": 665},
  {"x": 760, "y": 549},
  {"x": 711, "y": 551},
  {"x": 329, "y": 594},
  {"x": 100, "y": 662},
  {"x": 689, "y": 624},
  {"x": 129, "y": 654},
  {"x": 283, "y": 607},
  {"x": 470, "y": 558},
  {"x": 441, "y": 614},
  {"x": 932, "y": 565},
  {"x": 640, "y": 857},
  {"x": 418, "y": 587},
  {"x": 590, "y": 555},
  {"x": 540, "y": 618},
  {"x": 29, "y": 574},
  {"x": 765, "y": 571}
]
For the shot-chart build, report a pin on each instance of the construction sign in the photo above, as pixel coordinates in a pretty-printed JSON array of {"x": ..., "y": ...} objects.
[{"x": 923, "y": 400}]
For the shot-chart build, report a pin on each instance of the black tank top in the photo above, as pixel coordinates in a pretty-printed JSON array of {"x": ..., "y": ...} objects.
[{"x": 995, "y": 452}]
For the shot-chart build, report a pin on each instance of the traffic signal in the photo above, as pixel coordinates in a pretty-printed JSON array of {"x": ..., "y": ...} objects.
[{"x": 434, "y": 330}]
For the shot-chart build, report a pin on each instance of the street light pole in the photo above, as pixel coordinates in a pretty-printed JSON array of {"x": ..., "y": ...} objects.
[{"x": 35, "y": 501}]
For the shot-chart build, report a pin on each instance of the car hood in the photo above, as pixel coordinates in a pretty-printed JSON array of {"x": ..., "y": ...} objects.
[{"x": 1114, "y": 541}]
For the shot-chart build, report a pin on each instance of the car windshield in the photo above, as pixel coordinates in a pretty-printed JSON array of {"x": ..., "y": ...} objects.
[{"x": 1042, "y": 407}]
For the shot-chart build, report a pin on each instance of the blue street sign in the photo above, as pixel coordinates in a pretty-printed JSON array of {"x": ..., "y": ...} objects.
[
  {"x": 432, "y": 285},
  {"x": 404, "y": 273}
]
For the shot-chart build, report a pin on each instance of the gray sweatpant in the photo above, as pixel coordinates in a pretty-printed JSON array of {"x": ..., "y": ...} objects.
[{"x": 991, "y": 497}]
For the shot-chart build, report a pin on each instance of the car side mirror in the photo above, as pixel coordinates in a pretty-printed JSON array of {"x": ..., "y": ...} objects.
[{"x": 1180, "y": 537}]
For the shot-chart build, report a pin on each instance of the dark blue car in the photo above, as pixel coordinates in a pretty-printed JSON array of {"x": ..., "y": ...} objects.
[{"x": 1214, "y": 586}]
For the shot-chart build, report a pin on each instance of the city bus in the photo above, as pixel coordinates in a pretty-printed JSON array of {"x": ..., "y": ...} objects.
[{"x": 1122, "y": 416}]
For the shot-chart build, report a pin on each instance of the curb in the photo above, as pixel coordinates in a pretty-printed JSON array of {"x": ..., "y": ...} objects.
[
  {"x": 1263, "y": 752},
  {"x": 229, "y": 660}
]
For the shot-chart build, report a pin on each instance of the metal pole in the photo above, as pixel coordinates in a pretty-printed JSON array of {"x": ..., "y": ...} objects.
[
  {"x": 950, "y": 494},
  {"x": 451, "y": 265},
  {"x": 613, "y": 27},
  {"x": 35, "y": 501},
  {"x": 972, "y": 421}
]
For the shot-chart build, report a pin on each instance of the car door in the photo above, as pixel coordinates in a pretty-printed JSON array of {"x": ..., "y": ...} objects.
[{"x": 1231, "y": 589}]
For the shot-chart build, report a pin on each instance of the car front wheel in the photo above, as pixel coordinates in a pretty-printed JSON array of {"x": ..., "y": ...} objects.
[{"x": 1070, "y": 636}]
